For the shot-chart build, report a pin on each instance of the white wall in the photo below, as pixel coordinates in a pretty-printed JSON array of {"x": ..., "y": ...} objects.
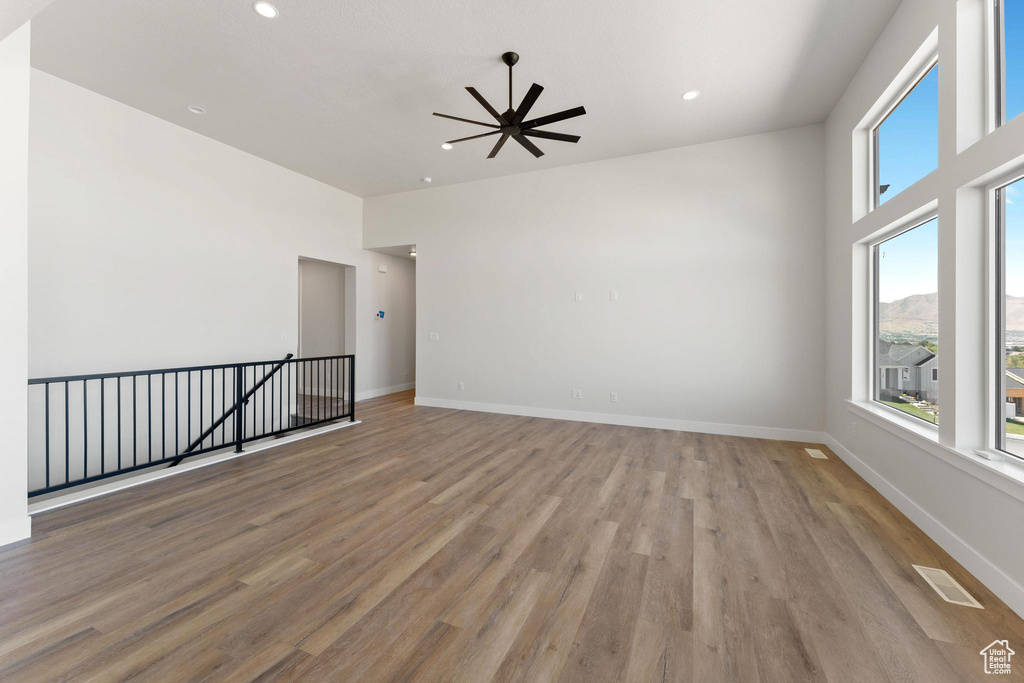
[
  {"x": 714, "y": 251},
  {"x": 153, "y": 246},
  {"x": 972, "y": 507},
  {"x": 14, "y": 127}
]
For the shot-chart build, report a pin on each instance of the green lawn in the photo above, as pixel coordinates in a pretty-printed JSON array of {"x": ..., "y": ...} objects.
[
  {"x": 917, "y": 412},
  {"x": 1014, "y": 427}
]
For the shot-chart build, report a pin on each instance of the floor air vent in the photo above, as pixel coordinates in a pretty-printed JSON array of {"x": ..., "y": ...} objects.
[
  {"x": 815, "y": 453},
  {"x": 947, "y": 587}
]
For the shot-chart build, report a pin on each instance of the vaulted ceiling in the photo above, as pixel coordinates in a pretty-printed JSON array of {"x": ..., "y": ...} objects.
[{"x": 343, "y": 91}]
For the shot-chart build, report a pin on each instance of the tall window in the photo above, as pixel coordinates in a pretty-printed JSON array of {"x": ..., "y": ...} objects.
[
  {"x": 1010, "y": 319},
  {"x": 906, "y": 141},
  {"x": 1009, "y": 33},
  {"x": 906, "y": 325}
]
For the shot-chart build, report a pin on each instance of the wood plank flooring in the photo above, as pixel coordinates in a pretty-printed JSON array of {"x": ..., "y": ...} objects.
[{"x": 438, "y": 545}]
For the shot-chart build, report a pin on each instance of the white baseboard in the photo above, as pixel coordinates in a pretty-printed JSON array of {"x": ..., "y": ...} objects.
[
  {"x": 776, "y": 433},
  {"x": 384, "y": 391},
  {"x": 1008, "y": 590},
  {"x": 15, "y": 530}
]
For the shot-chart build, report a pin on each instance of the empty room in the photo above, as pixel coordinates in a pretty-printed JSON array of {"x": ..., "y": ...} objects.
[{"x": 530, "y": 341}]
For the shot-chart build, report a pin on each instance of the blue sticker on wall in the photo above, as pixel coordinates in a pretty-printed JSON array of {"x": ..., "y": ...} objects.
[{"x": 380, "y": 314}]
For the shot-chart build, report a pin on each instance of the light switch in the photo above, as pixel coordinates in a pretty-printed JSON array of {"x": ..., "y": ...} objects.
[
  {"x": 577, "y": 393},
  {"x": 579, "y": 296},
  {"x": 613, "y": 295},
  {"x": 432, "y": 336}
]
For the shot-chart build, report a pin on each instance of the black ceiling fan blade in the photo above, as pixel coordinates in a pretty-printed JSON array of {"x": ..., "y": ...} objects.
[
  {"x": 486, "y": 105},
  {"x": 562, "y": 137},
  {"x": 524, "y": 107},
  {"x": 554, "y": 118},
  {"x": 498, "y": 145},
  {"x": 532, "y": 148},
  {"x": 472, "y": 137},
  {"x": 459, "y": 118}
]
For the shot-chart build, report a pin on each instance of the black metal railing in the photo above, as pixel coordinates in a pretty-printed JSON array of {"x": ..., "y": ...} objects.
[{"x": 83, "y": 428}]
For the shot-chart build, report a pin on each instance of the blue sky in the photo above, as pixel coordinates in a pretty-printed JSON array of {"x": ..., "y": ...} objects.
[{"x": 908, "y": 263}]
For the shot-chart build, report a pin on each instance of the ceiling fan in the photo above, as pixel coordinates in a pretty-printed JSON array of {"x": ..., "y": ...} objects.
[{"x": 512, "y": 123}]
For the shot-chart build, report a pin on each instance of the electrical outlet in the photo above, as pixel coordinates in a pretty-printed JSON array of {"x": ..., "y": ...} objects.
[
  {"x": 432, "y": 336},
  {"x": 613, "y": 397},
  {"x": 577, "y": 393},
  {"x": 853, "y": 428},
  {"x": 462, "y": 386},
  {"x": 613, "y": 295},
  {"x": 579, "y": 296}
]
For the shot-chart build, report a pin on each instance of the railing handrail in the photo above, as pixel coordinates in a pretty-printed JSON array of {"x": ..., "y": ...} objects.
[{"x": 160, "y": 371}]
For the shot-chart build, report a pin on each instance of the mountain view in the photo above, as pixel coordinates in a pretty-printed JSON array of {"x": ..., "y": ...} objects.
[{"x": 917, "y": 317}]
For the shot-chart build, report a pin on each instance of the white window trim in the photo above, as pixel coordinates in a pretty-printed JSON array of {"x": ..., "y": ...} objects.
[
  {"x": 908, "y": 223},
  {"x": 995, "y": 79},
  {"x": 865, "y": 181},
  {"x": 994, "y": 263},
  {"x": 874, "y": 190}
]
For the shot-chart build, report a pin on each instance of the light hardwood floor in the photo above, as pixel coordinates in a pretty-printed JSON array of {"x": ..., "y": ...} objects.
[{"x": 429, "y": 544}]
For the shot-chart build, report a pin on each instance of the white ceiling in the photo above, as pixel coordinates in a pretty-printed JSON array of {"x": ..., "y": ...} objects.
[{"x": 343, "y": 91}]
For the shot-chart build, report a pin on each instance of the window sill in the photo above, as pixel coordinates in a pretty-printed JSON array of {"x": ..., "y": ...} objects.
[{"x": 1006, "y": 475}]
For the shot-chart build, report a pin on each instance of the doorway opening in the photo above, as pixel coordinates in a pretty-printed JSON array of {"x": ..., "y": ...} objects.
[{"x": 327, "y": 327}]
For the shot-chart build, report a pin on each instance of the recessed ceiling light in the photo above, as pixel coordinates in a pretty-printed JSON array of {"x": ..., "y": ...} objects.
[
  {"x": 195, "y": 109},
  {"x": 427, "y": 179},
  {"x": 446, "y": 145},
  {"x": 691, "y": 95},
  {"x": 265, "y": 10}
]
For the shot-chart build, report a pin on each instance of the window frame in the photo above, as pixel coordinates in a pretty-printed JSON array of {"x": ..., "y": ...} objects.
[
  {"x": 874, "y": 166},
  {"x": 873, "y": 328},
  {"x": 997, "y": 327},
  {"x": 998, "y": 42}
]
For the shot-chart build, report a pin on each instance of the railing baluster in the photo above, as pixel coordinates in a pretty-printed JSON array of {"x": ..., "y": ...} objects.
[
  {"x": 177, "y": 428},
  {"x": 135, "y": 420},
  {"x": 103, "y": 426},
  {"x": 239, "y": 408},
  {"x": 85, "y": 428},
  {"x": 67, "y": 437},
  {"x": 47, "y": 393},
  {"x": 200, "y": 410},
  {"x": 163, "y": 415},
  {"x": 119, "y": 465},
  {"x": 188, "y": 403},
  {"x": 149, "y": 417},
  {"x": 223, "y": 402}
]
